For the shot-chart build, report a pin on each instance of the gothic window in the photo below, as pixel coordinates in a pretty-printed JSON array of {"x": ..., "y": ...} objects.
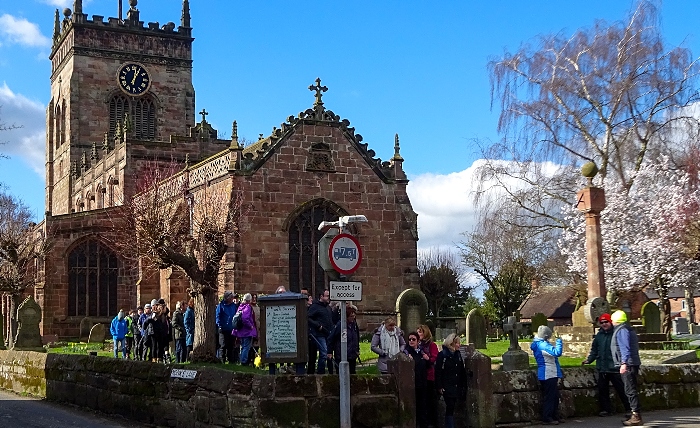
[
  {"x": 52, "y": 125},
  {"x": 59, "y": 125},
  {"x": 304, "y": 270},
  {"x": 62, "y": 136},
  {"x": 142, "y": 115},
  {"x": 100, "y": 195},
  {"x": 110, "y": 195},
  {"x": 92, "y": 280}
]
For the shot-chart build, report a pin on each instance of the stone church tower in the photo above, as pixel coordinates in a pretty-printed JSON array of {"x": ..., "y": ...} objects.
[{"x": 122, "y": 100}]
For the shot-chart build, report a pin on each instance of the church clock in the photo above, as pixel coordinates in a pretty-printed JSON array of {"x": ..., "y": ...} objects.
[{"x": 133, "y": 79}]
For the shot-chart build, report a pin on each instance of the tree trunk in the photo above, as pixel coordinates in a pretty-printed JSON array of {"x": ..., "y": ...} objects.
[
  {"x": 690, "y": 305},
  {"x": 665, "y": 316},
  {"x": 14, "y": 304},
  {"x": 204, "y": 347}
]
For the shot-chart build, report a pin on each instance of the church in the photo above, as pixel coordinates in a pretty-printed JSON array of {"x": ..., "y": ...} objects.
[{"x": 121, "y": 100}]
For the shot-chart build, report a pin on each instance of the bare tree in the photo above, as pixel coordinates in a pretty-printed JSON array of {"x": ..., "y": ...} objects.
[
  {"x": 5, "y": 127},
  {"x": 508, "y": 257},
  {"x": 21, "y": 244},
  {"x": 612, "y": 94},
  {"x": 167, "y": 226},
  {"x": 441, "y": 275}
]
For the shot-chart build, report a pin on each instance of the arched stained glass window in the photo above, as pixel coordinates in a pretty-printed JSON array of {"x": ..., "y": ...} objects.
[
  {"x": 92, "y": 280},
  {"x": 304, "y": 270}
]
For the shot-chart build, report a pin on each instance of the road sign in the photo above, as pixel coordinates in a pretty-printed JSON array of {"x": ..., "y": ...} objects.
[
  {"x": 345, "y": 290},
  {"x": 345, "y": 253}
]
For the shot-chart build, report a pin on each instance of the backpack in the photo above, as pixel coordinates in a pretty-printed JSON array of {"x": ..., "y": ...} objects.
[{"x": 237, "y": 320}]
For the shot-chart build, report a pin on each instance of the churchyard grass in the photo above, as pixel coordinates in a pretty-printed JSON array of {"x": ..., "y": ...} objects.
[{"x": 103, "y": 350}]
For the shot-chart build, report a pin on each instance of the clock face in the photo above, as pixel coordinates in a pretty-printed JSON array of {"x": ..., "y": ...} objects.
[{"x": 133, "y": 79}]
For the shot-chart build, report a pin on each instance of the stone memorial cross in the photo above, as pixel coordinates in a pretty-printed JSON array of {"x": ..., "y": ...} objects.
[{"x": 513, "y": 328}]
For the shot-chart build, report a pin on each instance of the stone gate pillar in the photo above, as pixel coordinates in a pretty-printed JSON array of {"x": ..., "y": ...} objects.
[{"x": 480, "y": 410}]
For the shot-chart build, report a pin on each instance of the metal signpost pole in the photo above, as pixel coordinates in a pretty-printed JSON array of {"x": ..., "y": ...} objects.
[
  {"x": 344, "y": 369},
  {"x": 344, "y": 366},
  {"x": 347, "y": 249}
]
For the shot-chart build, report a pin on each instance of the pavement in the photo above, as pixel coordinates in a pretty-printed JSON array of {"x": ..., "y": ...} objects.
[{"x": 675, "y": 418}]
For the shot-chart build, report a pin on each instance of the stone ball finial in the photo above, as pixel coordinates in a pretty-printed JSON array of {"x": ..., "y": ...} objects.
[
  {"x": 589, "y": 169},
  {"x": 133, "y": 3},
  {"x": 67, "y": 12}
]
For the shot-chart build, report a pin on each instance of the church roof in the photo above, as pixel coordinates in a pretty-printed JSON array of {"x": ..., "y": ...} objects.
[
  {"x": 255, "y": 155},
  {"x": 552, "y": 301}
]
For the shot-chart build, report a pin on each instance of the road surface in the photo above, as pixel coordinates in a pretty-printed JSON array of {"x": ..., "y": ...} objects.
[{"x": 29, "y": 412}]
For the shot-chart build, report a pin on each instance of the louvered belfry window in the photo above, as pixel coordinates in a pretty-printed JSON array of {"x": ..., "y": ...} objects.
[
  {"x": 92, "y": 280},
  {"x": 142, "y": 112}
]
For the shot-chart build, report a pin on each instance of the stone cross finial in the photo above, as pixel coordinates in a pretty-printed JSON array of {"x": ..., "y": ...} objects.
[
  {"x": 319, "y": 91},
  {"x": 204, "y": 115}
]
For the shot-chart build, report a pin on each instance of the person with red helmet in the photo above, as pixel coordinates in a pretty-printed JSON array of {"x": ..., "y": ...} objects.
[{"x": 605, "y": 366}]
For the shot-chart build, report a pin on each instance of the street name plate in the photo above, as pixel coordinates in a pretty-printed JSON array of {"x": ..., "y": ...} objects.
[
  {"x": 183, "y": 374},
  {"x": 345, "y": 290}
]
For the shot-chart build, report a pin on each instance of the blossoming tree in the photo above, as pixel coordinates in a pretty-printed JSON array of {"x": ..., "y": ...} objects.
[{"x": 645, "y": 233}]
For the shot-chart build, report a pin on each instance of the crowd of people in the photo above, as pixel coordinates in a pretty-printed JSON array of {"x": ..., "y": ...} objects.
[{"x": 146, "y": 332}]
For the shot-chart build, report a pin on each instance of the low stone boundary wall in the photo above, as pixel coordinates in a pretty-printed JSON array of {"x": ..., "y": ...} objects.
[
  {"x": 517, "y": 393},
  {"x": 145, "y": 392}
]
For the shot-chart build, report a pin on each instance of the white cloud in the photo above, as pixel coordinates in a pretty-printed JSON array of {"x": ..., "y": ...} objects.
[
  {"x": 59, "y": 3},
  {"x": 444, "y": 206},
  {"x": 21, "y": 31},
  {"x": 28, "y": 141}
]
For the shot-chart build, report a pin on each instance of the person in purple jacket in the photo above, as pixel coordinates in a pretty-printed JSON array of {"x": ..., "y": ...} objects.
[
  {"x": 247, "y": 332},
  {"x": 548, "y": 372}
]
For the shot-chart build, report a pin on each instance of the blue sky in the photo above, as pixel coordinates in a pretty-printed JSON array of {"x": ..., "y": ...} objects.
[{"x": 413, "y": 68}]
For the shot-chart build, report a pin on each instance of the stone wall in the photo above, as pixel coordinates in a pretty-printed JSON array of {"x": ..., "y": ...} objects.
[
  {"x": 145, "y": 392},
  {"x": 517, "y": 394}
]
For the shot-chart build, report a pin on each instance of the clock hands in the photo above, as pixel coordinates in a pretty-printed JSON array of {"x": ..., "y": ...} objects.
[{"x": 136, "y": 73}]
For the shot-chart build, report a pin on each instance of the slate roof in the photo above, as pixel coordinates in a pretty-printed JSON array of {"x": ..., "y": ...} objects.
[
  {"x": 553, "y": 302},
  {"x": 673, "y": 293}
]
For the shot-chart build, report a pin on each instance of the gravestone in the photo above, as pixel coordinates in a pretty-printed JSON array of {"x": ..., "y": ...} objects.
[
  {"x": 85, "y": 327},
  {"x": 515, "y": 358},
  {"x": 97, "y": 334},
  {"x": 476, "y": 329},
  {"x": 442, "y": 332},
  {"x": 680, "y": 326},
  {"x": 651, "y": 317},
  {"x": 28, "y": 333},
  {"x": 411, "y": 309},
  {"x": 2, "y": 330},
  {"x": 536, "y": 321}
]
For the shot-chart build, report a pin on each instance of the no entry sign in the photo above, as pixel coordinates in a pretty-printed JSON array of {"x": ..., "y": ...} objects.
[{"x": 345, "y": 253}]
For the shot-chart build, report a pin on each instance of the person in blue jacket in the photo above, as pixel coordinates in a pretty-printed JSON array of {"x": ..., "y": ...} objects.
[
  {"x": 118, "y": 330},
  {"x": 224, "y": 316},
  {"x": 548, "y": 372},
  {"x": 189, "y": 327}
]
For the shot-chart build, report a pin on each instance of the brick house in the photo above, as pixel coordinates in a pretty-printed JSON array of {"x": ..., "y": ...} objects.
[
  {"x": 676, "y": 297},
  {"x": 122, "y": 99}
]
